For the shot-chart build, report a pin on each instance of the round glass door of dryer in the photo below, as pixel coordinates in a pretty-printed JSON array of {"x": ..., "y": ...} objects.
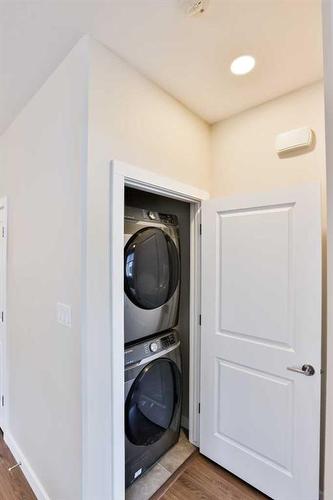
[
  {"x": 152, "y": 268},
  {"x": 152, "y": 402}
]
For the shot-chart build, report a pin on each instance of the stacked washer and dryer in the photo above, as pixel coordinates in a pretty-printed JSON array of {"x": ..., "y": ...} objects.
[{"x": 153, "y": 373}]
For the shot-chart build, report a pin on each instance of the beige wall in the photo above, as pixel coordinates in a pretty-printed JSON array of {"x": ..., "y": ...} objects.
[
  {"x": 42, "y": 158},
  {"x": 133, "y": 120},
  {"x": 244, "y": 161}
]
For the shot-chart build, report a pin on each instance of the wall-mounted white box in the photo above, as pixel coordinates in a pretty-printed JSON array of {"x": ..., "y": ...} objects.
[{"x": 294, "y": 140}]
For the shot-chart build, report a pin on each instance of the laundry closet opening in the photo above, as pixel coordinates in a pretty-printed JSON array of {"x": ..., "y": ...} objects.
[{"x": 157, "y": 264}]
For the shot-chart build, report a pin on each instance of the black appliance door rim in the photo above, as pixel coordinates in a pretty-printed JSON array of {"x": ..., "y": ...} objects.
[
  {"x": 177, "y": 385},
  {"x": 175, "y": 249}
]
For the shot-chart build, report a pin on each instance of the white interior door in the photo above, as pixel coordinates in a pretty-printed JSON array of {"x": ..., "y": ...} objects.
[
  {"x": 261, "y": 315},
  {"x": 2, "y": 309}
]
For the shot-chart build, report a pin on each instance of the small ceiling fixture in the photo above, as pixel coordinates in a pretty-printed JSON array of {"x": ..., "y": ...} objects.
[
  {"x": 194, "y": 7},
  {"x": 242, "y": 65}
]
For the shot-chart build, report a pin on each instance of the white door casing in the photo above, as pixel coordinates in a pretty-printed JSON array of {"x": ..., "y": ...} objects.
[
  {"x": 261, "y": 313},
  {"x": 2, "y": 309},
  {"x": 103, "y": 404}
]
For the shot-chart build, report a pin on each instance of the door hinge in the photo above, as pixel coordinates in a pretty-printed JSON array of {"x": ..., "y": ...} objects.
[
  {"x": 200, "y": 319},
  {"x": 199, "y": 407},
  {"x": 200, "y": 229},
  {"x": 3, "y": 231},
  {"x": 2, "y": 400},
  {"x": 2, "y": 317}
]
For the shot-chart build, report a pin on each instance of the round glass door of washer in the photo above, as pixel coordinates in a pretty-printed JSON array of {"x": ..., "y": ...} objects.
[{"x": 152, "y": 402}]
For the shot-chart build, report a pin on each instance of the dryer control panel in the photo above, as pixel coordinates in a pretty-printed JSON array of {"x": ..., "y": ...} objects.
[
  {"x": 149, "y": 347},
  {"x": 132, "y": 213}
]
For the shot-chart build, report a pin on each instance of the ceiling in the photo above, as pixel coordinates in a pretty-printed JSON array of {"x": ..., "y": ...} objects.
[{"x": 187, "y": 56}]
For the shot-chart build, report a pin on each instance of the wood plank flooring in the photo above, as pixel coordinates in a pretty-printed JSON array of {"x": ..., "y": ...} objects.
[
  {"x": 200, "y": 479},
  {"x": 13, "y": 485},
  {"x": 197, "y": 479}
]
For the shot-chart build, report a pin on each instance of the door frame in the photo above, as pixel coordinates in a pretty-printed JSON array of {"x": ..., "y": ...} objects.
[
  {"x": 327, "y": 420},
  {"x": 3, "y": 266},
  {"x": 103, "y": 450}
]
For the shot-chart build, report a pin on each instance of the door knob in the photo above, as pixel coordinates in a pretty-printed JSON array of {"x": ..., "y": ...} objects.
[{"x": 307, "y": 370}]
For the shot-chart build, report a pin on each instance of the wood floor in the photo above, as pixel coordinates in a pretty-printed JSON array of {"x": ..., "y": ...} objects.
[
  {"x": 13, "y": 485},
  {"x": 200, "y": 479},
  {"x": 197, "y": 479}
]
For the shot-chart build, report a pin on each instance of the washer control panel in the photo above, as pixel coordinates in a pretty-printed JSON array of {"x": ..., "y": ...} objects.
[
  {"x": 132, "y": 213},
  {"x": 142, "y": 350},
  {"x": 168, "y": 341},
  {"x": 168, "y": 219},
  {"x": 153, "y": 347}
]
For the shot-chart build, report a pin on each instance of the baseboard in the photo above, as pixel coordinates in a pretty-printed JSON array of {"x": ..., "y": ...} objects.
[{"x": 26, "y": 468}]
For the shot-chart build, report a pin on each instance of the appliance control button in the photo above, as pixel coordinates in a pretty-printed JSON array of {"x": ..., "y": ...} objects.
[
  {"x": 153, "y": 347},
  {"x": 151, "y": 215}
]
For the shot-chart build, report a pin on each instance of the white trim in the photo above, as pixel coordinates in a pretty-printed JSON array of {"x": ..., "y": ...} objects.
[
  {"x": 4, "y": 207},
  {"x": 103, "y": 373},
  {"x": 147, "y": 180},
  {"x": 195, "y": 328},
  {"x": 327, "y": 460},
  {"x": 26, "y": 468},
  {"x": 117, "y": 341}
]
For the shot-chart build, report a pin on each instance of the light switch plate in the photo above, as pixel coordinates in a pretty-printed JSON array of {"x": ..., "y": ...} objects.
[{"x": 64, "y": 315}]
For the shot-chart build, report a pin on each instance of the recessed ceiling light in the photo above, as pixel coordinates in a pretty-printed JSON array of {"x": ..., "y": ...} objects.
[{"x": 242, "y": 65}]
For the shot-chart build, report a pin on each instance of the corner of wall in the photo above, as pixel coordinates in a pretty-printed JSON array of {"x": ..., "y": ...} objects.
[
  {"x": 26, "y": 467},
  {"x": 43, "y": 179}
]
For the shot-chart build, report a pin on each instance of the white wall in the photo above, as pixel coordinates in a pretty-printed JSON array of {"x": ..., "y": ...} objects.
[
  {"x": 132, "y": 120},
  {"x": 43, "y": 157},
  {"x": 52, "y": 172}
]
